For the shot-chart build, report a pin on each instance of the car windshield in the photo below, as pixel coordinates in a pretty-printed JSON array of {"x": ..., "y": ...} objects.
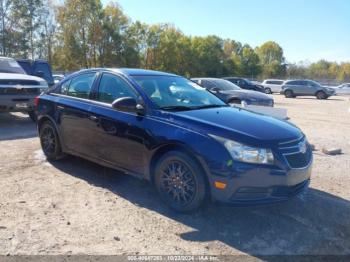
[
  {"x": 225, "y": 85},
  {"x": 10, "y": 66},
  {"x": 177, "y": 93}
]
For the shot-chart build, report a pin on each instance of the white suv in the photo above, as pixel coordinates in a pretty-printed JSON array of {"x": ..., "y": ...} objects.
[{"x": 272, "y": 85}]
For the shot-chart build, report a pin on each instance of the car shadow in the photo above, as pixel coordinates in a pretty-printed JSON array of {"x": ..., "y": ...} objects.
[
  {"x": 16, "y": 126},
  {"x": 315, "y": 223}
]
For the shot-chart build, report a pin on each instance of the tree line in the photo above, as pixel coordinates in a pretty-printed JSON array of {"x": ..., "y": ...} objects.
[{"x": 75, "y": 34}]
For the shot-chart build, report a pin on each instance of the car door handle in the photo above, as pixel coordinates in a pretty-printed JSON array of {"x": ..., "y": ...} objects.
[
  {"x": 93, "y": 118},
  {"x": 61, "y": 107}
]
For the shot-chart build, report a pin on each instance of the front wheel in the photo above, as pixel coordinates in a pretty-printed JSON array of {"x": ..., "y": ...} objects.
[
  {"x": 289, "y": 94},
  {"x": 268, "y": 90},
  {"x": 49, "y": 140},
  {"x": 234, "y": 101},
  {"x": 180, "y": 182},
  {"x": 321, "y": 95}
]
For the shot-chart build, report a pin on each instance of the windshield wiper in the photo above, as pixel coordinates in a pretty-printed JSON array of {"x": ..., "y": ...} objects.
[
  {"x": 208, "y": 106},
  {"x": 176, "y": 108}
]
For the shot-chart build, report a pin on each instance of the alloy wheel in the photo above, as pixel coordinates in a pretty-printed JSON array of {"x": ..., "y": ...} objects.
[
  {"x": 178, "y": 183},
  {"x": 48, "y": 140}
]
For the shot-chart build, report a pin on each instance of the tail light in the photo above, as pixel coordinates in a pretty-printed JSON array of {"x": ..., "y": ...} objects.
[{"x": 36, "y": 101}]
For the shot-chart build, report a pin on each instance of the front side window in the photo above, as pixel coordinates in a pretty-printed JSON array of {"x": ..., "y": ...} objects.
[
  {"x": 113, "y": 87},
  {"x": 172, "y": 92},
  {"x": 80, "y": 86}
]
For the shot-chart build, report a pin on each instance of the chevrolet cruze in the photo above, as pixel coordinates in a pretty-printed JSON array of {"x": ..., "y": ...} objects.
[{"x": 164, "y": 128}]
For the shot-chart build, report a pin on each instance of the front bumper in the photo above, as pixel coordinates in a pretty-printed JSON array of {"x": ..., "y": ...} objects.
[
  {"x": 261, "y": 185},
  {"x": 17, "y": 103}
]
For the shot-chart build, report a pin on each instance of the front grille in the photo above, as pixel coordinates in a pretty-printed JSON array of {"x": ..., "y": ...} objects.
[
  {"x": 14, "y": 82},
  {"x": 299, "y": 160},
  {"x": 19, "y": 91},
  {"x": 297, "y": 152}
]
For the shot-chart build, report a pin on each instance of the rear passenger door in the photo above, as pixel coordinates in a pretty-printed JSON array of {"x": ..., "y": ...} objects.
[
  {"x": 297, "y": 87},
  {"x": 76, "y": 124}
]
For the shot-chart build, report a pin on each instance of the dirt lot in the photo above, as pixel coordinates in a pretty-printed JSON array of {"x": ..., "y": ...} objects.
[{"x": 75, "y": 207}]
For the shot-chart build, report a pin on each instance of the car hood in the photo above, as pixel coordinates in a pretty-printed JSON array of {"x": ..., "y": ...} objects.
[
  {"x": 248, "y": 94},
  {"x": 7, "y": 76},
  {"x": 237, "y": 124}
]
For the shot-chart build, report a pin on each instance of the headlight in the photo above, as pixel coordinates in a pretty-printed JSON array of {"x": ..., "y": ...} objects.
[{"x": 244, "y": 153}]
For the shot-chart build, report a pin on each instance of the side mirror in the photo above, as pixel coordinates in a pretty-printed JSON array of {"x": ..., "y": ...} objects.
[
  {"x": 215, "y": 89},
  {"x": 128, "y": 104}
]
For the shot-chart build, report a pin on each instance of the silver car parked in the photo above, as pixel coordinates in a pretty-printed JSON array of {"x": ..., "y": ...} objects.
[{"x": 294, "y": 88}]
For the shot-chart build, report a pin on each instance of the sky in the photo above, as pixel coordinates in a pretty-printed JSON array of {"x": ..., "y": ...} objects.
[{"x": 307, "y": 30}]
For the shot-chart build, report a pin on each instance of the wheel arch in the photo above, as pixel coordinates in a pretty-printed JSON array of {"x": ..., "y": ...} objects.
[{"x": 48, "y": 118}]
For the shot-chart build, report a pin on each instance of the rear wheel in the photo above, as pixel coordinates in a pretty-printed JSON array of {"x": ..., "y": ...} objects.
[
  {"x": 321, "y": 95},
  {"x": 268, "y": 90},
  {"x": 289, "y": 94},
  {"x": 180, "y": 182},
  {"x": 49, "y": 140}
]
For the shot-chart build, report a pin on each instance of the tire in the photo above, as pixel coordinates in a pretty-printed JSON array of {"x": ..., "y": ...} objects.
[
  {"x": 180, "y": 182},
  {"x": 289, "y": 94},
  {"x": 50, "y": 142},
  {"x": 321, "y": 95},
  {"x": 32, "y": 116},
  {"x": 235, "y": 101},
  {"x": 268, "y": 90}
]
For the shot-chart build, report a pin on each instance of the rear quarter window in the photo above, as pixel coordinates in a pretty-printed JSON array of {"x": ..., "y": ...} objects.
[
  {"x": 61, "y": 88},
  {"x": 80, "y": 86}
]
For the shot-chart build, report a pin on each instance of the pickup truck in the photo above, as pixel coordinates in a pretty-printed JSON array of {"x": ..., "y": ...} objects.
[{"x": 18, "y": 89}]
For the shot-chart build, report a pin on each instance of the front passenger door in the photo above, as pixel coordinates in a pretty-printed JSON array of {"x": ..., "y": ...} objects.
[{"x": 120, "y": 136}]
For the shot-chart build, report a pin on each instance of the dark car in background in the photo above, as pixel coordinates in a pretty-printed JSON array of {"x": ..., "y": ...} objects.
[
  {"x": 167, "y": 129},
  {"x": 245, "y": 84},
  {"x": 39, "y": 68},
  {"x": 233, "y": 94},
  {"x": 294, "y": 88}
]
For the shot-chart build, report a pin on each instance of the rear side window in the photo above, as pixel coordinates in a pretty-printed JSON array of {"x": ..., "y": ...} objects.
[
  {"x": 294, "y": 83},
  {"x": 80, "y": 86},
  {"x": 113, "y": 87},
  {"x": 65, "y": 86}
]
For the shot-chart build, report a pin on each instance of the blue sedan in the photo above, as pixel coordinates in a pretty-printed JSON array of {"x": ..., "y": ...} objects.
[{"x": 166, "y": 129}]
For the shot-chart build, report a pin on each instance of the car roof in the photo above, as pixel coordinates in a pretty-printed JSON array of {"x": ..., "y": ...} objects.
[
  {"x": 273, "y": 79},
  {"x": 128, "y": 71},
  {"x": 206, "y": 78},
  {"x": 233, "y": 77}
]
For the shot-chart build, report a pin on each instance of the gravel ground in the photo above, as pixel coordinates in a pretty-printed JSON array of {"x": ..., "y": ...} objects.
[{"x": 77, "y": 207}]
